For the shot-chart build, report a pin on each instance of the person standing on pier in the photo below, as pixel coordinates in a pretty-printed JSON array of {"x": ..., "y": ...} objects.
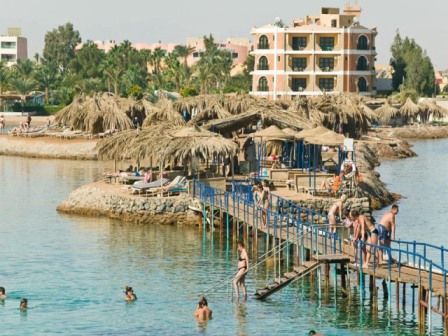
[
  {"x": 336, "y": 209},
  {"x": 386, "y": 228},
  {"x": 243, "y": 266}
]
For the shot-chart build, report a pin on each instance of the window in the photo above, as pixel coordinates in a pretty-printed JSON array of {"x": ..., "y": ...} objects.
[
  {"x": 362, "y": 85},
  {"x": 363, "y": 43},
  {"x": 299, "y": 43},
  {"x": 263, "y": 63},
  {"x": 326, "y": 84},
  {"x": 362, "y": 65},
  {"x": 8, "y": 45},
  {"x": 263, "y": 84},
  {"x": 298, "y": 84},
  {"x": 196, "y": 54},
  {"x": 326, "y": 43},
  {"x": 326, "y": 63},
  {"x": 299, "y": 64},
  {"x": 8, "y": 58},
  {"x": 234, "y": 55},
  {"x": 334, "y": 23},
  {"x": 263, "y": 42}
]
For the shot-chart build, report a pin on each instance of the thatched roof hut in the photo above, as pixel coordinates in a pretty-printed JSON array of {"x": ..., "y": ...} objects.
[
  {"x": 328, "y": 138},
  {"x": 312, "y": 132},
  {"x": 386, "y": 113},
  {"x": 409, "y": 110},
  {"x": 99, "y": 113},
  {"x": 273, "y": 133},
  {"x": 162, "y": 143},
  {"x": 429, "y": 108},
  {"x": 162, "y": 112}
]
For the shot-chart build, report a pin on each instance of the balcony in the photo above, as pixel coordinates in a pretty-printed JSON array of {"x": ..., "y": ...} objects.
[
  {"x": 263, "y": 46},
  {"x": 263, "y": 88},
  {"x": 8, "y": 45},
  {"x": 263, "y": 68}
]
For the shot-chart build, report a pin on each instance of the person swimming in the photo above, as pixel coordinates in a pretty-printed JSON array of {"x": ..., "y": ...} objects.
[
  {"x": 129, "y": 294},
  {"x": 23, "y": 304},
  {"x": 2, "y": 293}
]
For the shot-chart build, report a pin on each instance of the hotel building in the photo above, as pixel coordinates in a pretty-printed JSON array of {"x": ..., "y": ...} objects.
[
  {"x": 330, "y": 53},
  {"x": 13, "y": 46}
]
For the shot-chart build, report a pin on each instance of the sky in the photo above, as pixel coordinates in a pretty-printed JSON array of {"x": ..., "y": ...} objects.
[{"x": 174, "y": 20}]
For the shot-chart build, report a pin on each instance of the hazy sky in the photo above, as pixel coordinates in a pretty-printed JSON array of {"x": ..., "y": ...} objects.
[{"x": 174, "y": 20}]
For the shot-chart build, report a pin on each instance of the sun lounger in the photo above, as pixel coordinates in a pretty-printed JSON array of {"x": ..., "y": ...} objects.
[
  {"x": 141, "y": 186},
  {"x": 179, "y": 184}
]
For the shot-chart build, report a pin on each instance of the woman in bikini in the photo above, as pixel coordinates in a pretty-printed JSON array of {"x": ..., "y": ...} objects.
[
  {"x": 370, "y": 233},
  {"x": 243, "y": 267}
]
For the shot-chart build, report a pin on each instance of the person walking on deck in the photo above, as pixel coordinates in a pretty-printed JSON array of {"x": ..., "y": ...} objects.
[
  {"x": 243, "y": 266},
  {"x": 336, "y": 210},
  {"x": 265, "y": 202},
  {"x": 386, "y": 228}
]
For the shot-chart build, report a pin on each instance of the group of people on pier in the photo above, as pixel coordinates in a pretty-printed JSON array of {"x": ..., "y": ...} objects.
[{"x": 363, "y": 229}]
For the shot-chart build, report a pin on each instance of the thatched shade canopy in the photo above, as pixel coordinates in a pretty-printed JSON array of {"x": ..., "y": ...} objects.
[
  {"x": 162, "y": 112},
  {"x": 273, "y": 133},
  {"x": 430, "y": 108},
  {"x": 386, "y": 112},
  {"x": 99, "y": 113},
  {"x": 409, "y": 110},
  {"x": 312, "y": 132},
  {"x": 163, "y": 143},
  {"x": 195, "y": 142},
  {"x": 328, "y": 138}
]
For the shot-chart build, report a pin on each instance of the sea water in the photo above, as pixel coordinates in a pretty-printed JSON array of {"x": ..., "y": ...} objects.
[{"x": 73, "y": 269}]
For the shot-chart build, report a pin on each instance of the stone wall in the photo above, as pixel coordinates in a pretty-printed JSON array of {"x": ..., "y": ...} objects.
[{"x": 101, "y": 199}]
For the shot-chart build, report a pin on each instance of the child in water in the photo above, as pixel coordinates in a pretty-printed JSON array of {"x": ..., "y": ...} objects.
[
  {"x": 23, "y": 304},
  {"x": 2, "y": 293}
]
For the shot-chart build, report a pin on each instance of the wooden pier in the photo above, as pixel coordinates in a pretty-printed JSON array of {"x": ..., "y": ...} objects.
[{"x": 287, "y": 227}]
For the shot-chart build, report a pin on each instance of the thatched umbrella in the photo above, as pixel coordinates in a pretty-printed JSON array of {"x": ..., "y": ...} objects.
[
  {"x": 162, "y": 112},
  {"x": 312, "y": 132},
  {"x": 274, "y": 138},
  {"x": 430, "y": 108},
  {"x": 409, "y": 110},
  {"x": 386, "y": 113},
  {"x": 195, "y": 142},
  {"x": 97, "y": 114},
  {"x": 328, "y": 138}
]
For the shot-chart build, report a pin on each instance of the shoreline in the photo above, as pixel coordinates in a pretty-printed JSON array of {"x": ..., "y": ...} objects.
[{"x": 48, "y": 148}]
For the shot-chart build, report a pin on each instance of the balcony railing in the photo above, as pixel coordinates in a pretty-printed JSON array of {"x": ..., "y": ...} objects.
[
  {"x": 327, "y": 47},
  {"x": 327, "y": 69},
  {"x": 362, "y": 47},
  {"x": 298, "y": 69},
  {"x": 263, "y": 68},
  {"x": 263, "y": 88},
  {"x": 263, "y": 46}
]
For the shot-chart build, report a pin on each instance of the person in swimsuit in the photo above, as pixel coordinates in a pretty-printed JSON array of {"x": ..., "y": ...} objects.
[
  {"x": 336, "y": 209},
  {"x": 2, "y": 293},
  {"x": 2, "y": 123},
  {"x": 265, "y": 201},
  {"x": 129, "y": 294},
  {"x": 386, "y": 228},
  {"x": 243, "y": 267},
  {"x": 366, "y": 231},
  {"x": 23, "y": 304},
  {"x": 202, "y": 312}
]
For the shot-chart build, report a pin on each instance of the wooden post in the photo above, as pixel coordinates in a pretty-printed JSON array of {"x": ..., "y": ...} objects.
[
  {"x": 343, "y": 279},
  {"x": 397, "y": 294},
  {"x": 404, "y": 295}
]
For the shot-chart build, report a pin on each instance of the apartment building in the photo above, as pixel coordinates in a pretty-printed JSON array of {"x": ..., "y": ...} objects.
[
  {"x": 329, "y": 53},
  {"x": 13, "y": 46}
]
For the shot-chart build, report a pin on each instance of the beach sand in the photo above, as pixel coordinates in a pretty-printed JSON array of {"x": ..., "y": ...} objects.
[{"x": 13, "y": 121}]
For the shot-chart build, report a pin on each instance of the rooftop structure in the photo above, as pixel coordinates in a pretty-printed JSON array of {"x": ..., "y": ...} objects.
[
  {"x": 13, "y": 46},
  {"x": 328, "y": 53}
]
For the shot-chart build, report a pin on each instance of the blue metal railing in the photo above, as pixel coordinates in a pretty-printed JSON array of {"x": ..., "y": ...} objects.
[{"x": 298, "y": 223}]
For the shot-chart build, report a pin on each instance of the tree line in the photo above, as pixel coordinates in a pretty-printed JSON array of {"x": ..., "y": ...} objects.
[{"x": 62, "y": 71}]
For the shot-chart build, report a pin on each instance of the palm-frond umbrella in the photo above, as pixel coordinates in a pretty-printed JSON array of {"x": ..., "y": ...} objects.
[
  {"x": 386, "y": 113},
  {"x": 409, "y": 110},
  {"x": 162, "y": 112}
]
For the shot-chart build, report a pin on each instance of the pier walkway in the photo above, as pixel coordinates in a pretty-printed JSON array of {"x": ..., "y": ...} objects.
[{"x": 288, "y": 227}]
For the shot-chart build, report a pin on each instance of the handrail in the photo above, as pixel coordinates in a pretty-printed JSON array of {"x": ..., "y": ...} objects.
[{"x": 282, "y": 210}]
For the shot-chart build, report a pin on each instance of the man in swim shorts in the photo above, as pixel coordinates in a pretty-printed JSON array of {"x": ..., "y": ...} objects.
[{"x": 386, "y": 228}]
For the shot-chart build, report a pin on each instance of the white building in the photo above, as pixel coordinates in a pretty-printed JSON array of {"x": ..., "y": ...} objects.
[{"x": 13, "y": 46}]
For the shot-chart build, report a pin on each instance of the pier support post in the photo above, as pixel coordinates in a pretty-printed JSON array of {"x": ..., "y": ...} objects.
[
  {"x": 343, "y": 278},
  {"x": 397, "y": 294}
]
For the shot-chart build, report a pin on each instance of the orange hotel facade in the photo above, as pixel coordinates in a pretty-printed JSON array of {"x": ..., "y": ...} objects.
[{"x": 330, "y": 53}]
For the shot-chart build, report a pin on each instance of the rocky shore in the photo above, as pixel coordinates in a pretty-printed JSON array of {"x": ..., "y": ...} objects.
[
  {"x": 48, "y": 148},
  {"x": 413, "y": 132},
  {"x": 102, "y": 199}
]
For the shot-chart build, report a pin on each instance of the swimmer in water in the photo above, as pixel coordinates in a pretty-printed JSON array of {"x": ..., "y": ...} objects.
[
  {"x": 130, "y": 295},
  {"x": 23, "y": 304},
  {"x": 2, "y": 293},
  {"x": 202, "y": 312}
]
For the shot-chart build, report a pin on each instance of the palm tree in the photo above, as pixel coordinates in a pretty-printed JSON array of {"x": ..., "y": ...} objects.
[
  {"x": 5, "y": 75},
  {"x": 174, "y": 70},
  {"x": 46, "y": 75},
  {"x": 184, "y": 52}
]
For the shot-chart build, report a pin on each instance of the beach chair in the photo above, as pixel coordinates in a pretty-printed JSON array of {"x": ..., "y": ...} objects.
[
  {"x": 177, "y": 185},
  {"x": 142, "y": 187}
]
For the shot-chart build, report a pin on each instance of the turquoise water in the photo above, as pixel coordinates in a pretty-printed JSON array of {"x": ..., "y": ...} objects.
[{"x": 73, "y": 271}]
